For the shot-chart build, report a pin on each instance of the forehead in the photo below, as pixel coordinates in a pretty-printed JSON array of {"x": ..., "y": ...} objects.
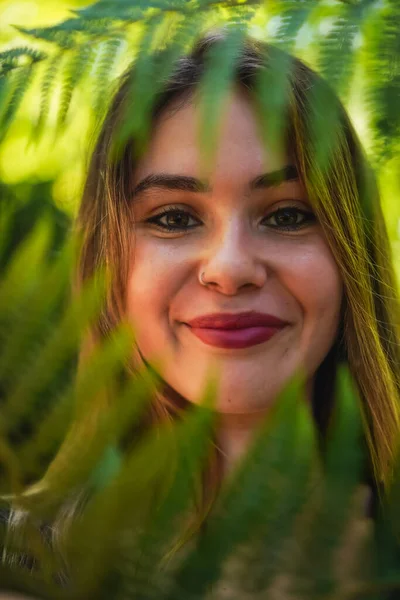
[{"x": 241, "y": 155}]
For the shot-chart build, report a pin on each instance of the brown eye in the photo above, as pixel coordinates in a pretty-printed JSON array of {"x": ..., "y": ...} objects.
[
  {"x": 175, "y": 219},
  {"x": 290, "y": 218}
]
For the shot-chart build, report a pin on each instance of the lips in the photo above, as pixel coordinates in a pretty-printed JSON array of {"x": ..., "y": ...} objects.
[
  {"x": 236, "y": 320},
  {"x": 239, "y": 330}
]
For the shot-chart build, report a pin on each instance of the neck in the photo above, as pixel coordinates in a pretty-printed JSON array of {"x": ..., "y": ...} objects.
[
  {"x": 234, "y": 435},
  {"x": 235, "y": 432}
]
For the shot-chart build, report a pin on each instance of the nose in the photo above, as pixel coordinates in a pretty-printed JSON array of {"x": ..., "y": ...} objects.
[{"x": 232, "y": 260}]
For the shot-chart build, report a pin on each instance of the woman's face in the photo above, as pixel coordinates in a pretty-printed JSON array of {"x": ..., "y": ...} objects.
[{"x": 253, "y": 258}]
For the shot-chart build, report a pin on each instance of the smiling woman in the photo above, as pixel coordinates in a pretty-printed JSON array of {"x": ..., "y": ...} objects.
[{"x": 268, "y": 263}]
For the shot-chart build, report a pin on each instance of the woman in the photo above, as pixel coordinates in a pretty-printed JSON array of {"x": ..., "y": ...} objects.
[{"x": 266, "y": 263}]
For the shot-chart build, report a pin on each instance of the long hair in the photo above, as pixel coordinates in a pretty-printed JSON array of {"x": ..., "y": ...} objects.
[{"x": 346, "y": 201}]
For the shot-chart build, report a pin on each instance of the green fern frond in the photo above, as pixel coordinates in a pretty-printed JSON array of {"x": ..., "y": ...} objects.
[
  {"x": 386, "y": 569},
  {"x": 16, "y": 72},
  {"x": 29, "y": 322},
  {"x": 151, "y": 69},
  {"x": 104, "y": 70},
  {"x": 43, "y": 365},
  {"x": 271, "y": 87},
  {"x": 21, "y": 271},
  {"x": 268, "y": 553},
  {"x": 382, "y": 72},
  {"x": 324, "y": 116},
  {"x": 48, "y": 83},
  {"x": 293, "y": 16},
  {"x": 76, "y": 68},
  {"x": 337, "y": 57},
  {"x": 5, "y": 85},
  {"x": 142, "y": 559},
  {"x": 20, "y": 81},
  {"x": 143, "y": 80},
  {"x": 19, "y": 57},
  {"x": 343, "y": 466},
  {"x": 256, "y": 490},
  {"x": 76, "y": 401},
  {"x": 31, "y": 305},
  {"x": 69, "y": 32},
  {"x": 62, "y": 34},
  {"x": 141, "y": 479},
  {"x": 215, "y": 84}
]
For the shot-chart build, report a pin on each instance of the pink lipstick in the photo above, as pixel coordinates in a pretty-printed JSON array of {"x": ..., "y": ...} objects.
[{"x": 239, "y": 330}]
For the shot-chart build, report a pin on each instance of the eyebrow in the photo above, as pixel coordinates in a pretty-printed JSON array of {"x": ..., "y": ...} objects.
[{"x": 192, "y": 184}]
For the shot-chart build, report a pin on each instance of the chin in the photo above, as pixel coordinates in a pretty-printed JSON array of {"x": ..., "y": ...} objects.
[
  {"x": 230, "y": 406},
  {"x": 238, "y": 399}
]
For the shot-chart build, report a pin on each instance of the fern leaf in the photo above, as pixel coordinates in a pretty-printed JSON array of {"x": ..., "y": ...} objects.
[
  {"x": 214, "y": 86},
  {"x": 5, "y": 85},
  {"x": 337, "y": 56},
  {"x": 48, "y": 83},
  {"x": 78, "y": 65},
  {"x": 144, "y": 470},
  {"x": 27, "y": 324},
  {"x": 142, "y": 574},
  {"x": 142, "y": 81},
  {"x": 382, "y": 71},
  {"x": 271, "y": 93},
  {"x": 20, "y": 82},
  {"x": 19, "y": 57},
  {"x": 24, "y": 266},
  {"x": 324, "y": 116},
  {"x": 104, "y": 70},
  {"x": 343, "y": 471},
  {"x": 257, "y": 488},
  {"x": 293, "y": 16},
  {"x": 42, "y": 367},
  {"x": 35, "y": 453},
  {"x": 61, "y": 34},
  {"x": 84, "y": 461},
  {"x": 76, "y": 402},
  {"x": 150, "y": 70},
  {"x": 268, "y": 551},
  {"x": 28, "y": 313}
]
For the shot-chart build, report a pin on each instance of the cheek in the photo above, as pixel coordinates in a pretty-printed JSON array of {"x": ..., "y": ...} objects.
[
  {"x": 151, "y": 284},
  {"x": 314, "y": 280}
]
